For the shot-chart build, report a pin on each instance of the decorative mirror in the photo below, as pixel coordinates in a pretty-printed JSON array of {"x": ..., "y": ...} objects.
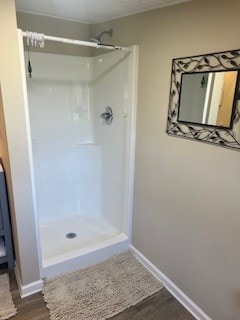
[{"x": 204, "y": 102}]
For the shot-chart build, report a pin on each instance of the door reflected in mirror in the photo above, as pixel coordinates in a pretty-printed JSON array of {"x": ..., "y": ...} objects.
[{"x": 208, "y": 98}]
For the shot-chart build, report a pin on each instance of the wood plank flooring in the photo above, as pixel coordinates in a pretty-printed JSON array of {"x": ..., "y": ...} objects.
[{"x": 160, "y": 306}]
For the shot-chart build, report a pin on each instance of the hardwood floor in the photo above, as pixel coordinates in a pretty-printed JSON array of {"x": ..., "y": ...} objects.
[{"x": 161, "y": 306}]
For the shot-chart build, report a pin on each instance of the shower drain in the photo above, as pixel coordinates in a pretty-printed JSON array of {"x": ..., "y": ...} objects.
[{"x": 71, "y": 235}]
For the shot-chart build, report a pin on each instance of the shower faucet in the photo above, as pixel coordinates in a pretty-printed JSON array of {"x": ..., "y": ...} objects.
[{"x": 107, "y": 115}]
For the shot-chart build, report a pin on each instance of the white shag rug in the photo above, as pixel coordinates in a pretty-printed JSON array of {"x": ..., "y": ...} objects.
[
  {"x": 7, "y": 308},
  {"x": 101, "y": 291}
]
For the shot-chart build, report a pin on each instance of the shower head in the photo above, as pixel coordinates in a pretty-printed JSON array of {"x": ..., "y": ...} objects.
[
  {"x": 98, "y": 38},
  {"x": 95, "y": 40}
]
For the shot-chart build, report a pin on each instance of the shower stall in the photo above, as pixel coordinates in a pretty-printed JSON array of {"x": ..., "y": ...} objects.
[{"x": 81, "y": 113}]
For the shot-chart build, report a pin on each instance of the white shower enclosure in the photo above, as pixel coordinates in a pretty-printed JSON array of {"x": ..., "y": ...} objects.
[{"x": 82, "y": 166}]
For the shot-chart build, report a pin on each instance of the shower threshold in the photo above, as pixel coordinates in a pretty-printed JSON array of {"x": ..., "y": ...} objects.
[{"x": 77, "y": 241}]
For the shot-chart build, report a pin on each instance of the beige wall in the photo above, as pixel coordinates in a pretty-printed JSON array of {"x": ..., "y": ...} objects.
[
  {"x": 18, "y": 179},
  {"x": 4, "y": 154},
  {"x": 186, "y": 200}
]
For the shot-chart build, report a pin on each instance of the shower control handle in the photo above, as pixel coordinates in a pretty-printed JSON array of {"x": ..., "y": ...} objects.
[{"x": 107, "y": 115}]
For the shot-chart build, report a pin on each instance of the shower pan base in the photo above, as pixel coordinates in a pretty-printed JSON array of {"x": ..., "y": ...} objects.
[{"x": 77, "y": 241}]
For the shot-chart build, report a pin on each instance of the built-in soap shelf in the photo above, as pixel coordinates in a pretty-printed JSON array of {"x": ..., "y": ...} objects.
[{"x": 3, "y": 251}]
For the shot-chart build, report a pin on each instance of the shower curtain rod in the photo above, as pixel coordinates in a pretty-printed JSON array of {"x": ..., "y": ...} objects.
[{"x": 43, "y": 37}]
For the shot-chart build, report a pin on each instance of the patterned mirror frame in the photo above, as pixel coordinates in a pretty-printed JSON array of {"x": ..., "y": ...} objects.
[{"x": 222, "y": 61}]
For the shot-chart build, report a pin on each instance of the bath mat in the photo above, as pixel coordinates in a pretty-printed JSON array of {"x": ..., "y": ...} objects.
[
  {"x": 7, "y": 308},
  {"x": 101, "y": 291}
]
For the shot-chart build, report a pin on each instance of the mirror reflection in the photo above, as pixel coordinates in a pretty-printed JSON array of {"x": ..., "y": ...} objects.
[{"x": 208, "y": 98}]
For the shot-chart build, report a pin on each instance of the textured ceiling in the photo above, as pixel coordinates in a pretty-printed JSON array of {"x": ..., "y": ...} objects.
[{"x": 90, "y": 11}]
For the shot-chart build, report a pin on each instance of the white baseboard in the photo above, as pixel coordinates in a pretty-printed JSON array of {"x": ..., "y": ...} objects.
[
  {"x": 198, "y": 313},
  {"x": 28, "y": 289}
]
